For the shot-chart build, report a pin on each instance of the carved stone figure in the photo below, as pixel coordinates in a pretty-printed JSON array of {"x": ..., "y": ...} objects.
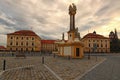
[
  {"x": 72, "y": 9},
  {"x": 72, "y": 12}
]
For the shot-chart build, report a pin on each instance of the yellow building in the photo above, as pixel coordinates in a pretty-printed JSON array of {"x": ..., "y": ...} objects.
[
  {"x": 48, "y": 45},
  {"x": 23, "y": 40},
  {"x": 93, "y": 40},
  {"x": 73, "y": 47}
]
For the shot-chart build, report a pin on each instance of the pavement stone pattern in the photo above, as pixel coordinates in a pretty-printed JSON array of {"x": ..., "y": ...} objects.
[
  {"x": 108, "y": 70},
  {"x": 33, "y": 69},
  {"x": 70, "y": 69},
  {"x": 28, "y": 73}
]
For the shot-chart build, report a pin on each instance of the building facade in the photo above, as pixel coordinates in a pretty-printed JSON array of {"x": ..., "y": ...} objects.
[
  {"x": 96, "y": 43},
  {"x": 48, "y": 45},
  {"x": 23, "y": 40},
  {"x": 2, "y": 48}
]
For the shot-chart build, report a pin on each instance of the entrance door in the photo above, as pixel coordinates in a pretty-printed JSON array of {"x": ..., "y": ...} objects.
[{"x": 77, "y": 52}]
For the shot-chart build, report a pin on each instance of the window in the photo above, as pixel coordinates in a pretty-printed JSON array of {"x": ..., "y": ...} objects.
[
  {"x": 89, "y": 40},
  {"x": 106, "y": 45},
  {"x": 32, "y": 38},
  {"x": 22, "y": 38},
  {"x": 93, "y": 40},
  {"x": 101, "y": 40},
  {"x": 26, "y": 49},
  {"x": 11, "y": 43},
  {"x": 21, "y": 43},
  {"x": 16, "y": 37},
  {"x": 21, "y": 49},
  {"x": 32, "y": 44},
  {"x": 16, "y": 43},
  {"x": 11, "y": 37},
  {"x": 89, "y": 45}
]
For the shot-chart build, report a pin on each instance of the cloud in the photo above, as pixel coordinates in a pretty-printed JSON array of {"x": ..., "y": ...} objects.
[{"x": 51, "y": 17}]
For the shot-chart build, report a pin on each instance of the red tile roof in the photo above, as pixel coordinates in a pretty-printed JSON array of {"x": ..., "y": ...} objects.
[
  {"x": 2, "y": 48},
  {"x": 93, "y": 35},
  {"x": 48, "y": 41},
  {"x": 24, "y": 32}
]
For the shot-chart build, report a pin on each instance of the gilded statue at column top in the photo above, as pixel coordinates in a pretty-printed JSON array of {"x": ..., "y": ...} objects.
[{"x": 72, "y": 9}]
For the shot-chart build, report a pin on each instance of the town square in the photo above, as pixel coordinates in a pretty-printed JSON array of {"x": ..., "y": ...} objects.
[{"x": 59, "y": 40}]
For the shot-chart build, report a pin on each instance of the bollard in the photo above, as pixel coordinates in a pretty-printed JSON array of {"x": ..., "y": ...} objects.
[
  {"x": 42, "y": 60},
  {"x": 4, "y": 64},
  {"x": 68, "y": 57}
]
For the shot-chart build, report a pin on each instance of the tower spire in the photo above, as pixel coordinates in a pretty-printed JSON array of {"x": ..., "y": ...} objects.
[{"x": 116, "y": 36}]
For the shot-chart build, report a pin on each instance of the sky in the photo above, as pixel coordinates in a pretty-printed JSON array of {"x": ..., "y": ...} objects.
[{"x": 50, "y": 18}]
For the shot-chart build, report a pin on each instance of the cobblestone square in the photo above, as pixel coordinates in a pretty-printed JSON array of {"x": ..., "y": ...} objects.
[{"x": 31, "y": 68}]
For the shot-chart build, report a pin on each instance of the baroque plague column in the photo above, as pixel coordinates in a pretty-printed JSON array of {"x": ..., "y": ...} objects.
[{"x": 73, "y": 47}]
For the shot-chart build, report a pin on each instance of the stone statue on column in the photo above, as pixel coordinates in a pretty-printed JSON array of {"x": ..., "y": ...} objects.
[{"x": 72, "y": 12}]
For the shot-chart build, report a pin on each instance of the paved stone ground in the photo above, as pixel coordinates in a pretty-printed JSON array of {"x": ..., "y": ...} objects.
[
  {"x": 28, "y": 73},
  {"x": 108, "y": 70},
  {"x": 71, "y": 69},
  {"x": 33, "y": 69}
]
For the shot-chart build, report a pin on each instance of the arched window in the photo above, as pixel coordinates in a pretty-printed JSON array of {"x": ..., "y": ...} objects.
[
  {"x": 21, "y": 49},
  {"x": 106, "y": 45},
  {"x": 10, "y": 49},
  {"x": 32, "y": 38},
  {"x": 101, "y": 45},
  {"x": 16, "y": 37}
]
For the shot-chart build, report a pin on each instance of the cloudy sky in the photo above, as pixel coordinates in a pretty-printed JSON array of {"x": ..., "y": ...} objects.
[{"x": 49, "y": 18}]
